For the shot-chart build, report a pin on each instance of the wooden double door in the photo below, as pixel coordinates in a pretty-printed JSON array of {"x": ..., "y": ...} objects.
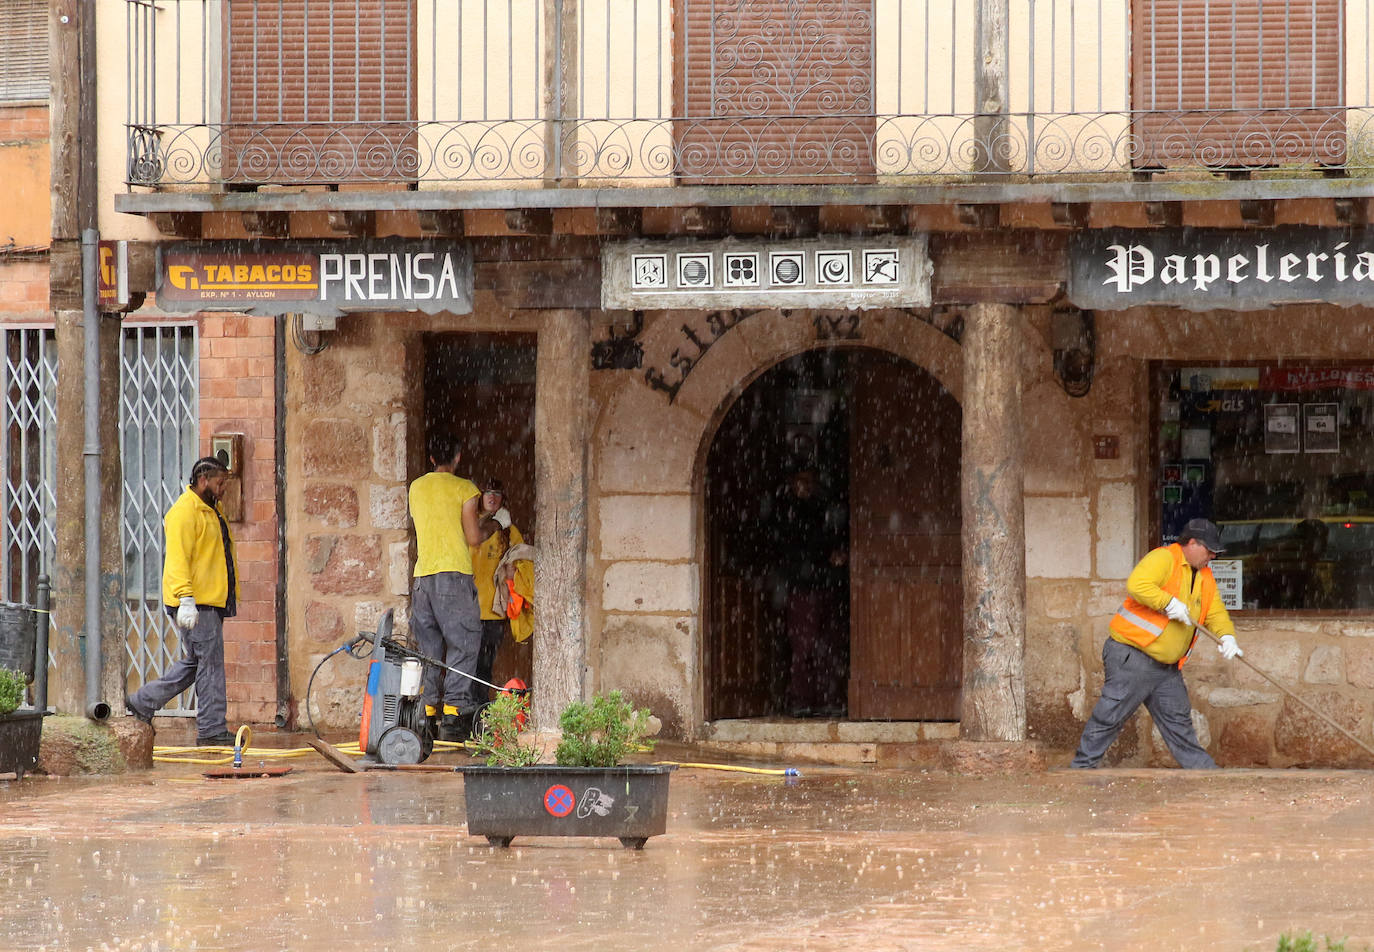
[{"x": 872, "y": 556}]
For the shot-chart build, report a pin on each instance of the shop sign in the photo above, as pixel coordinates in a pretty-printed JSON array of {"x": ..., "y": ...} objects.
[
  {"x": 328, "y": 278},
  {"x": 829, "y": 273},
  {"x": 1204, "y": 269}
]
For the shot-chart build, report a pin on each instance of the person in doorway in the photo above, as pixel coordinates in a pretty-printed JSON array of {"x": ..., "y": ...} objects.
[
  {"x": 485, "y": 559},
  {"x": 1151, "y": 637},
  {"x": 812, "y": 536},
  {"x": 445, "y": 509},
  {"x": 199, "y": 589}
]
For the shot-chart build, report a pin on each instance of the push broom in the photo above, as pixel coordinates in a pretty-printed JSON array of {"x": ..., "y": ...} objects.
[{"x": 1282, "y": 687}]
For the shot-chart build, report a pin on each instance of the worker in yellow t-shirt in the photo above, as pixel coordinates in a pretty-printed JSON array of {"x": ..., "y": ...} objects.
[
  {"x": 445, "y": 509},
  {"x": 485, "y": 558}
]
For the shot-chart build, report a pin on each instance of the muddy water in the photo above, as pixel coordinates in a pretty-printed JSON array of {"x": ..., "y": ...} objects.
[{"x": 872, "y": 860}]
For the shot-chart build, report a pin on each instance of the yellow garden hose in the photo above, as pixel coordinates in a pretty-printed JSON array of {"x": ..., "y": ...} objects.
[{"x": 768, "y": 771}]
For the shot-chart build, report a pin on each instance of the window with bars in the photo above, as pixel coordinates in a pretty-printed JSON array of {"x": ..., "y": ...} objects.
[{"x": 23, "y": 50}]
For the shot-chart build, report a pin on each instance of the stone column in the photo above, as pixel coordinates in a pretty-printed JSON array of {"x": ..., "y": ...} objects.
[
  {"x": 562, "y": 379},
  {"x": 994, "y": 697}
]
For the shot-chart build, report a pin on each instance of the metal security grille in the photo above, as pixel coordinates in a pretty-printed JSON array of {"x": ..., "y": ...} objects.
[
  {"x": 30, "y": 462},
  {"x": 158, "y": 414}
]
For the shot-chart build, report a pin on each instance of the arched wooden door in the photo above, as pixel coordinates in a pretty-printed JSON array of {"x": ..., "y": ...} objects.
[{"x": 848, "y": 602}]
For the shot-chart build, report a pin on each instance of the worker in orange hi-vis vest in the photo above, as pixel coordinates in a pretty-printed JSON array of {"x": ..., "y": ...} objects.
[
  {"x": 486, "y": 556},
  {"x": 1151, "y": 636}
]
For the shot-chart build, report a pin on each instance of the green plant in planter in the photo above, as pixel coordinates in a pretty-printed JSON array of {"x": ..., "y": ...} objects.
[
  {"x": 602, "y": 733},
  {"x": 498, "y": 742},
  {"x": 11, "y": 690}
]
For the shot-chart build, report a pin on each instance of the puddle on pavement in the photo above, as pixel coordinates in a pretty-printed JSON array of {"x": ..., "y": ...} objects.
[{"x": 868, "y": 859}]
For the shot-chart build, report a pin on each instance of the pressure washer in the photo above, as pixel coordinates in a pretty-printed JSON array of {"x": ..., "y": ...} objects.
[{"x": 395, "y": 729}]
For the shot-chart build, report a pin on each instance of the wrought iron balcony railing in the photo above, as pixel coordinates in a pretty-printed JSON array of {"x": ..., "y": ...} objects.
[{"x": 449, "y": 93}]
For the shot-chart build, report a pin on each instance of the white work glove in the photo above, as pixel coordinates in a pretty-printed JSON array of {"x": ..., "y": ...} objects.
[
  {"x": 501, "y": 517},
  {"x": 187, "y": 613},
  {"x": 1228, "y": 648},
  {"x": 1177, "y": 611}
]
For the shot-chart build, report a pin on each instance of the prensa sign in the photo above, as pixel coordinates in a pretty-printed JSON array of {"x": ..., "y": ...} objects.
[
  {"x": 327, "y": 278},
  {"x": 1204, "y": 269}
]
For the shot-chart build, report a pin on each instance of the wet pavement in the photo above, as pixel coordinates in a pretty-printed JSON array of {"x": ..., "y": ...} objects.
[{"x": 870, "y": 858}]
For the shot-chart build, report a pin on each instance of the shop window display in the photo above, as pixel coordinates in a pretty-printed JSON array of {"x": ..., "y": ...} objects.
[{"x": 1281, "y": 457}]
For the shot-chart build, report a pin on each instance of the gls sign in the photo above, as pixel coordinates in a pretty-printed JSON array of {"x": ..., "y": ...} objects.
[{"x": 1205, "y": 269}]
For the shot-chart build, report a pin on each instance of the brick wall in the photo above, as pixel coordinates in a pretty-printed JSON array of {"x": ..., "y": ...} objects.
[{"x": 237, "y": 395}]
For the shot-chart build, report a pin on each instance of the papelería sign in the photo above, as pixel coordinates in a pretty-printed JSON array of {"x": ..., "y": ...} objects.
[
  {"x": 1205, "y": 268},
  {"x": 330, "y": 278}
]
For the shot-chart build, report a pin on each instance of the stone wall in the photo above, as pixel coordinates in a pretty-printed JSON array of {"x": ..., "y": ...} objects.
[{"x": 351, "y": 428}]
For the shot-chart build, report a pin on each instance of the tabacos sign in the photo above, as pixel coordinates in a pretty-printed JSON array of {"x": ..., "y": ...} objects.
[
  {"x": 328, "y": 278},
  {"x": 1206, "y": 269}
]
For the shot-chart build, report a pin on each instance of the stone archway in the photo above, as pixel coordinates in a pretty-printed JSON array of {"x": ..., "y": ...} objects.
[{"x": 648, "y": 480}]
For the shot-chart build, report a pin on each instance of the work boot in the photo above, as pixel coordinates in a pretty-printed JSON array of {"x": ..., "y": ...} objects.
[
  {"x": 222, "y": 739},
  {"x": 135, "y": 712},
  {"x": 455, "y": 728}
]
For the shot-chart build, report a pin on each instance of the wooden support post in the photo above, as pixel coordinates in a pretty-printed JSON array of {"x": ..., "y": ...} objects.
[
  {"x": 991, "y": 89},
  {"x": 561, "y": 395},
  {"x": 994, "y": 700}
]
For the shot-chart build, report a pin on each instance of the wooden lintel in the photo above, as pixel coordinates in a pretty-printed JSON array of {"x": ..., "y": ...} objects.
[
  {"x": 354, "y": 223},
  {"x": 542, "y": 284},
  {"x": 1020, "y": 267},
  {"x": 445, "y": 222},
  {"x": 705, "y": 219},
  {"x": 619, "y": 221},
  {"x": 1164, "y": 214},
  {"x": 1071, "y": 214},
  {"x": 1352, "y": 211},
  {"x": 1257, "y": 211},
  {"x": 177, "y": 224},
  {"x": 979, "y": 216},
  {"x": 262, "y": 224},
  {"x": 529, "y": 221},
  {"x": 795, "y": 221}
]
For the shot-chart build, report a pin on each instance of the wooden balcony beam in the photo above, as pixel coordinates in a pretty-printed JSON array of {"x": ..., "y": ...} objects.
[
  {"x": 529, "y": 221},
  {"x": 441, "y": 222},
  {"x": 1257, "y": 211},
  {"x": 979, "y": 216},
  {"x": 266, "y": 224},
  {"x": 177, "y": 224},
  {"x": 1071, "y": 214},
  {"x": 1164, "y": 214},
  {"x": 354, "y": 223}
]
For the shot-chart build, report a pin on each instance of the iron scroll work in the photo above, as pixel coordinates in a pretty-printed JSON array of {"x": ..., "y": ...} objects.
[{"x": 1202, "y": 269}]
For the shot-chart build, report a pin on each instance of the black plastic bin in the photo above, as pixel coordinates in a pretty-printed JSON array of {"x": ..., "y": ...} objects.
[{"x": 18, "y": 638}]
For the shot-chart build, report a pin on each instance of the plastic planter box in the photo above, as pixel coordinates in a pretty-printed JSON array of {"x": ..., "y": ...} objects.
[{"x": 627, "y": 802}]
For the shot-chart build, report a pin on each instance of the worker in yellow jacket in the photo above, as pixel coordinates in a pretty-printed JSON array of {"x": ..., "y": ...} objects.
[
  {"x": 485, "y": 557},
  {"x": 1151, "y": 636},
  {"x": 200, "y": 589}
]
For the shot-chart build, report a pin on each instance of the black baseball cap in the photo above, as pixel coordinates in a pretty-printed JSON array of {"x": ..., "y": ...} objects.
[{"x": 1205, "y": 532}]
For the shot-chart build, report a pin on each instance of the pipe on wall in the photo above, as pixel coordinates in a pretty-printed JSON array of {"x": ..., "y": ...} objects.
[{"x": 96, "y": 708}]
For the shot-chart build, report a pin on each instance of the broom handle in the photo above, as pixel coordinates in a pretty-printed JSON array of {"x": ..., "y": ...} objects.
[{"x": 1282, "y": 687}]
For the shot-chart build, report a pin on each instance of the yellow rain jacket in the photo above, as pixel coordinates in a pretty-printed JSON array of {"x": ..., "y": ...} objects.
[{"x": 195, "y": 563}]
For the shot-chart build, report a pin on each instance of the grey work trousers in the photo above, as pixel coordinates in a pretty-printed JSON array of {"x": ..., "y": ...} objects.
[
  {"x": 1134, "y": 678},
  {"x": 201, "y": 664},
  {"x": 448, "y": 624}
]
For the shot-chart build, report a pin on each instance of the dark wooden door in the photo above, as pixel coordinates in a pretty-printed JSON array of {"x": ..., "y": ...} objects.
[{"x": 906, "y": 591}]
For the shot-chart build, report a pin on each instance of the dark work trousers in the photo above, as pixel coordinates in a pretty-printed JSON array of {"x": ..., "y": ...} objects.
[
  {"x": 1134, "y": 678},
  {"x": 201, "y": 664},
  {"x": 448, "y": 625},
  {"x": 494, "y": 631}
]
